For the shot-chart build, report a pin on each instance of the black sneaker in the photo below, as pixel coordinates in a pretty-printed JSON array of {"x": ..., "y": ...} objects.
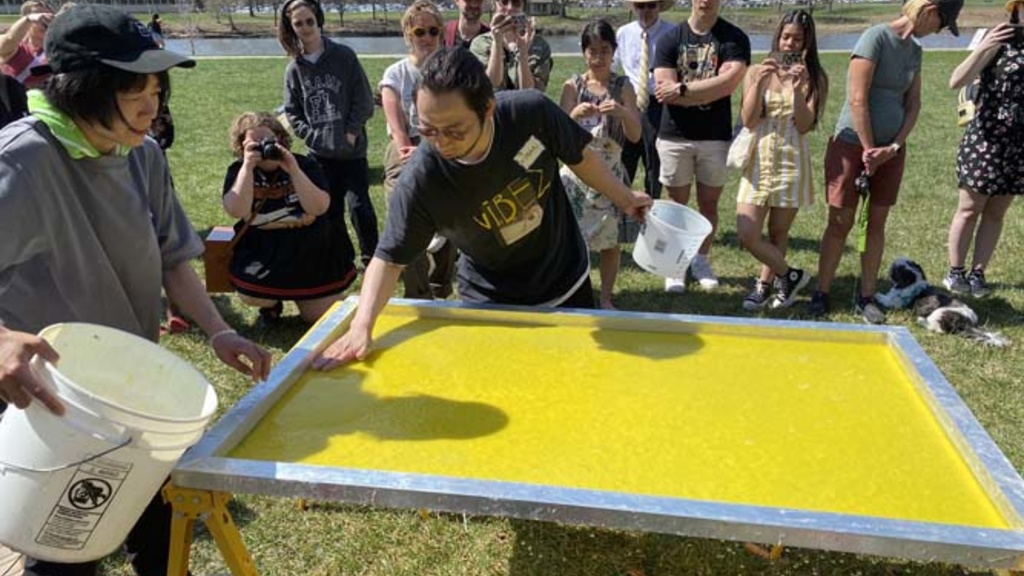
[
  {"x": 819, "y": 305},
  {"x": 956, "y": 281},
  {"x": 271, "y": 316},
  {"x": 869, "y": 309},
  {"x": 758, "y": 297},
  {"x": 787, "y": 287},
  {"x": 979, "y": 287}
]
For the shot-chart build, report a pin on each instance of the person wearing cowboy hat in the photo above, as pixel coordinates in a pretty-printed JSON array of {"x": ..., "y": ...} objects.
[
  {"x": 634, "y": 39},
  {"x": 697, "y": 67},
  {"x": 93, "y": 229},
  {"x": 990, "y": 160}
]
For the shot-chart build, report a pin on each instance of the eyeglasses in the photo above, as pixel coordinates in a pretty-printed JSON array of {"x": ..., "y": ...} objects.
[
  {"x": 451, "y": 133},
  {"x": 421, "y": 32},
  {"x": 514, "y": 3},
  {"x": 645, "y": 5}
]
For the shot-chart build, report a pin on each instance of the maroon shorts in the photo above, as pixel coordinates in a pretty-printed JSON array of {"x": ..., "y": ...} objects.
[{"x": 842, "y": 166}]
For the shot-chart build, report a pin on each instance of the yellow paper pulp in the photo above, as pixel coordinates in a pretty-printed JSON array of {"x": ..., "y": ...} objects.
[{"x": 769, "y": 421}]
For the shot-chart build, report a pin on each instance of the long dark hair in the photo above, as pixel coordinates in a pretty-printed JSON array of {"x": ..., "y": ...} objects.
[{"x": 819, "y": 79}]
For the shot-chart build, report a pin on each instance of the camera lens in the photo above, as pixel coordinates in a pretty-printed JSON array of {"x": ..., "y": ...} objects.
[{"x": 269, "y": 150}]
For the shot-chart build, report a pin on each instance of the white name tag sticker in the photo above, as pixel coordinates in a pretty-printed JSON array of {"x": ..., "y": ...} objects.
[
  {"x": 979, "y": 35},
  {"x": 529, "y": 153}
]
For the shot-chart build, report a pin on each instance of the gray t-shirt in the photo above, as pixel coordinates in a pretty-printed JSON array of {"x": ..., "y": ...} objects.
[
  {"x": 86, "y": 240},
  {"x": 897, "y": 63}
]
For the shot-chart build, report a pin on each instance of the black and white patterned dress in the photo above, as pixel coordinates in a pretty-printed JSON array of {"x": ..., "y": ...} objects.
[{"x": 990, "y": 160}]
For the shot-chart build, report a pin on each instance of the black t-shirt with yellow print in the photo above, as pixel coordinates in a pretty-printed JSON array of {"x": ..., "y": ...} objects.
[{"x": 508, "y": 214}]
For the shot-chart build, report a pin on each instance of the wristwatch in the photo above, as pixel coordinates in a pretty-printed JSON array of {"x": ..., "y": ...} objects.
[
  {"x": 683, "y": 89},
  {"x": 895, "y": 147}
]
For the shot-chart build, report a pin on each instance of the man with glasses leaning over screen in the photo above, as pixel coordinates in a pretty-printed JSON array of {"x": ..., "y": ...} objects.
[{"x": 488, "y": 181}]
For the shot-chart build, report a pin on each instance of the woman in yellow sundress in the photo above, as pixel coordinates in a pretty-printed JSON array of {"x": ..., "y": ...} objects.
[{"x": 782, "y": 101}]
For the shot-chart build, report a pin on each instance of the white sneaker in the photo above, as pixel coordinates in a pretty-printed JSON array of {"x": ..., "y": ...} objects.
[
  {"x": 700, "y": 270},
  {"x": 675, "y": 285}
]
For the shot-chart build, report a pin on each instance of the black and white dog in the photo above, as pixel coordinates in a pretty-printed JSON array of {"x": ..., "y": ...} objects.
[{"x": 935, "y": 310}]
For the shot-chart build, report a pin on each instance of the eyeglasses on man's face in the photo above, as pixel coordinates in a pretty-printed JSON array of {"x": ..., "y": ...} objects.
[
  {"x": 420, "y": 32},
  {"x": 457, "y": 133}
]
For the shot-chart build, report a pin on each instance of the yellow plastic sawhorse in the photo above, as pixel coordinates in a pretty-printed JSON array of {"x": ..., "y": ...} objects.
[{"x": 189, "y": 505}]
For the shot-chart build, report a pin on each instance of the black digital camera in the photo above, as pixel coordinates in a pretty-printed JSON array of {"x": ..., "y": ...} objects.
[{"x": 269, "y": 149}]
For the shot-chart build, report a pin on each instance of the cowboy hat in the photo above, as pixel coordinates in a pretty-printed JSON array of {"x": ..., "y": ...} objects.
[{"x": 665, "y": 5}]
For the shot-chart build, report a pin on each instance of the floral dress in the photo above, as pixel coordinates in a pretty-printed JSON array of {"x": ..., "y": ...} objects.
[
  {"x": 597, "y": 216},
  {"x": 990, "y": 160}
]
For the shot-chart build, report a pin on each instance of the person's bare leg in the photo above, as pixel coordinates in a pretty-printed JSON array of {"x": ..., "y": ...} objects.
[
  {"x": 989, "y": 230},
  {"x": 961, "y": 228},
  {"x": 257, "y": 302},
  {"x": 312, "y": 310},
  {"x": 707, "y": 203},
  {"x": 749, "y": 224},
  {"x": 609, "y": 272},
  {"x": 840, "y": 222}
]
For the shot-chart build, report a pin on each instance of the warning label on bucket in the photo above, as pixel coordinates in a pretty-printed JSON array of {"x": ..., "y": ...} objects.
[{"x": 80, "y": 509}]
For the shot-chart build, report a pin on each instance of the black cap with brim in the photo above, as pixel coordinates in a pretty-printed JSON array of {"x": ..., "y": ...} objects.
[
  {"x": 88, "y": 35},
  {"x": 950, "y": 10}
]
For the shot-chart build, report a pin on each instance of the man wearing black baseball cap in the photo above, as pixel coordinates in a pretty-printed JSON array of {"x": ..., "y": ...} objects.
[{"x": 93, "y": 230}]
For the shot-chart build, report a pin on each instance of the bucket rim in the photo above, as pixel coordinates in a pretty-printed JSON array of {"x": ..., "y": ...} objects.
[
  {"x": 685, "y": 208},
  {"x": 209, "y": 408}
]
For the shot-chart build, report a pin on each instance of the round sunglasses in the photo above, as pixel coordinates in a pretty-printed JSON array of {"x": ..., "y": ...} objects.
[{"x": 421, "y": 32}]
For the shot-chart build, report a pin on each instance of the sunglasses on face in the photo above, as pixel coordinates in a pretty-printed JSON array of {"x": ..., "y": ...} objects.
[
  {"x": 645, "y": 5},
  {"x": 418, "y": 32},
  {"x": 308, "y": 22}
]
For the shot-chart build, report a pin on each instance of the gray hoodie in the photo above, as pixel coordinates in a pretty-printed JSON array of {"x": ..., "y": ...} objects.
[{"x": 328, "y": 99}]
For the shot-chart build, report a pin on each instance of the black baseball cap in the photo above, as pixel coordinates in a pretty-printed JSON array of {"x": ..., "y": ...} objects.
[
  {"x": 87, "y": 35},
  {"x": 948, "y": 11}
]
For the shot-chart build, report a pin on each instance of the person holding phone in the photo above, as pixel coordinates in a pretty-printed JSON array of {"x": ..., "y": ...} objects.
[
  {"x": 524, "y": 60},
  {"x": 21, "y": 47},
  {"x": 883, "y": 100},
  {"x": 990, "y": 160},
  {"x": 783, "y": 98},
  {"x": 603, "y": 103}
]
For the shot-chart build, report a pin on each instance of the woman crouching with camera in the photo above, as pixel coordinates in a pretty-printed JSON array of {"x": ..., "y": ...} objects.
[{"x": 286, "y": 248}]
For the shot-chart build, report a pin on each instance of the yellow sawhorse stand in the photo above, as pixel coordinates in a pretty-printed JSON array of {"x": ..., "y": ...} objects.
[{"x": 189, "y": 505}]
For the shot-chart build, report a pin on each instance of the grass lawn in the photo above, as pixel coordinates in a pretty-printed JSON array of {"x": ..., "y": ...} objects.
[{"x": 331, "y": 539}]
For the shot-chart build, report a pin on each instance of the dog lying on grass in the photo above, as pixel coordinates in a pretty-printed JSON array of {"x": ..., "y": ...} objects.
[{"x": 934, "y": 309}]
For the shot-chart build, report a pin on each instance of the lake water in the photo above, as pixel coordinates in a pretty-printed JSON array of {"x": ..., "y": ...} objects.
[{"x": 394, "y": 45}]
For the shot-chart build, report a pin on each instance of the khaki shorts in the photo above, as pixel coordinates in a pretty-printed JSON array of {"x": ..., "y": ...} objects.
[{"x": 682, "y": 159}]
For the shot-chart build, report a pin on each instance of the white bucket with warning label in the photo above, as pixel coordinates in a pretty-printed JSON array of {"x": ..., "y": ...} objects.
[
  {"x": 74, "y": 485},
  {"x": 669, "y": 238}
]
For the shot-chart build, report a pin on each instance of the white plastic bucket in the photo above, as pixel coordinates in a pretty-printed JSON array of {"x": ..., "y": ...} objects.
[
  {"x": 72, "y": 487},
  {"x": 669, "y": 239}
]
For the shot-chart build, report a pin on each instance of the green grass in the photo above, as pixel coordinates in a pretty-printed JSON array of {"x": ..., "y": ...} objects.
[{"x": 331, "y": 539}]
